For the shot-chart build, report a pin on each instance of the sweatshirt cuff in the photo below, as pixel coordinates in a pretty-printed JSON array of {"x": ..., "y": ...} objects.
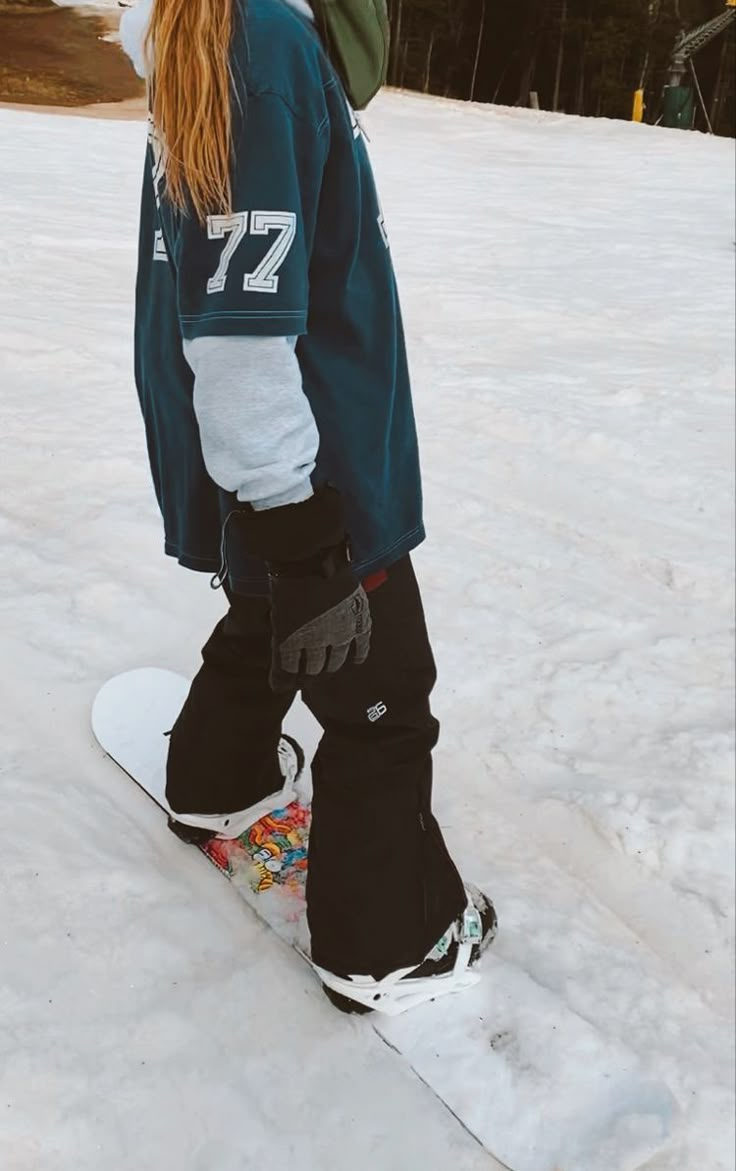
[{"x": 296, "y": 495}]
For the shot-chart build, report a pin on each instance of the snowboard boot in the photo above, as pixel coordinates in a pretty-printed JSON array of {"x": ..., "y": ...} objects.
[
  {"x": 447, "y": 968},
  {"x": 198, "y": 828}
]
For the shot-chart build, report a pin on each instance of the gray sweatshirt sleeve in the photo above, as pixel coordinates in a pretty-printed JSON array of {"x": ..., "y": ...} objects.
[{"x": 258, "y": 434}]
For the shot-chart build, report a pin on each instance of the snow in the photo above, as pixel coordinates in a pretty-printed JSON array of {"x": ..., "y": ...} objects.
[
  {"x": 568, "y": 293},
  {"x": 93, "y": 6}
]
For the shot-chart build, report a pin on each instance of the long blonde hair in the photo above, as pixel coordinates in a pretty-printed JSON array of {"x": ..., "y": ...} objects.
[{"x": 188, "y": 46}]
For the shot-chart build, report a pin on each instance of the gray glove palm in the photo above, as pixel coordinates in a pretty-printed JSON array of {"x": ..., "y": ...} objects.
[
  {"x": 319, "y": 624},
  {"x": 324, "y": 642}
]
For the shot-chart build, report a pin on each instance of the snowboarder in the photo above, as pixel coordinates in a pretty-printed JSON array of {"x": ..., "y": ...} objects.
[{"x": 272, "y": 375}]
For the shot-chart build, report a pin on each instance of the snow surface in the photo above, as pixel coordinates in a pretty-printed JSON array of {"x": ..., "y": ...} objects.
[
  {"x": 568, "y": 292},
  {"x": 92, "y": 6}
]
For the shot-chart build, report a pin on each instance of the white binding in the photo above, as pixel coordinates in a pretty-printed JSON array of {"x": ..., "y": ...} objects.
[
  {"x": 396, "y": 993},
  {"x": 232, "y": 825}
]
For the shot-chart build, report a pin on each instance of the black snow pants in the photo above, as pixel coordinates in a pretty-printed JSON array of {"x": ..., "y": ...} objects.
[{"x": 381, "y": 886}]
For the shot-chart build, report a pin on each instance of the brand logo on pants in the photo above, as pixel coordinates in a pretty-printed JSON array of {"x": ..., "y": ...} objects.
[{"x": 375, "y": 713}]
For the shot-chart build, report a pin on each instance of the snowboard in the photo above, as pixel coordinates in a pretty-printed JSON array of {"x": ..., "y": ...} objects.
[
  {"x": 268, "y": 862},
  {"x": 508, "y": 1058},
  {"x": 131, "y": 717}
]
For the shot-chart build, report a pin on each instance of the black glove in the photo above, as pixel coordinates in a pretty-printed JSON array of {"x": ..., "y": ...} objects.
[{"x": 320, "y": 615}]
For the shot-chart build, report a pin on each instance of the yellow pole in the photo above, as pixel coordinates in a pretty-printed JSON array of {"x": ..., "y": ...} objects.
[{"x": 638, "y": 114}]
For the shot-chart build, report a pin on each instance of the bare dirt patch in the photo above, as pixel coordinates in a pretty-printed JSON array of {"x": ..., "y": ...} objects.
[{"x": 53, "y": 56}]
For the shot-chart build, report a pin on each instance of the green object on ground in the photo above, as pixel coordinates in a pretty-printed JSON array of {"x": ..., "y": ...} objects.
[{"x": 679, "y": 107}]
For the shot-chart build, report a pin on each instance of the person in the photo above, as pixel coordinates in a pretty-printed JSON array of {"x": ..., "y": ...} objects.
[{"x": 272, "y": 375}]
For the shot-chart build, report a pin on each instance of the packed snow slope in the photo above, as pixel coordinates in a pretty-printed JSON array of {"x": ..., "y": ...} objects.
[{"x": 568, "y": 292}]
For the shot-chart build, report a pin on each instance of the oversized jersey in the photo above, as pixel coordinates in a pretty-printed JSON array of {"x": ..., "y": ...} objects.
[{"x": 303, "y": 254}]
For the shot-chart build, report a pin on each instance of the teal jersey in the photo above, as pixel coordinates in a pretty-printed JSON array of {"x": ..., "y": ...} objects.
[{"x": 303, "y": 254}]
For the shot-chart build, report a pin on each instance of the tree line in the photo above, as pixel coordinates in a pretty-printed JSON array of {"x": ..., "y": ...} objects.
[{"x": 579, "y": 56}]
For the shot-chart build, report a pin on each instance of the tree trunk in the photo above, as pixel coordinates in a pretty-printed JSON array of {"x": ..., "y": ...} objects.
[
  {"x": 655, "y": 12},
  {"x": 527, "y": 77},
  {"x": 644, "y": 71},
  {"x": 477, "y": 50},
  {"x": 404, "y": 56},
  {"x": 396, "y": 44},
  {"x": 560, "y": 57},
  {"x": 580, "y": 98},
  {"x": 587, "y": 30},
  {"x": 533, "y": 30},
  {"x": 501, "y": 80},
  {"x": 720, "y": 85},
  {"x": 428, "y": 66}
]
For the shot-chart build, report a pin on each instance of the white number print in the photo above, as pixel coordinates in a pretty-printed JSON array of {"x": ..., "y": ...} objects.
[
  {"x": 219, "y": 226},
  {"x": 264, "y": 278}
]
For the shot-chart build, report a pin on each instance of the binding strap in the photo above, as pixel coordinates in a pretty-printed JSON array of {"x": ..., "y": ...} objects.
[{"x": 398, "y": 992}]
